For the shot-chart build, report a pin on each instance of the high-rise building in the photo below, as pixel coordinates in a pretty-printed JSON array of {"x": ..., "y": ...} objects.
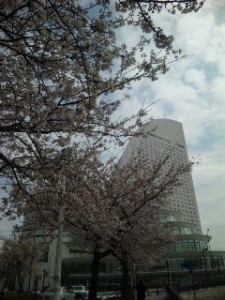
[
  {"x": 189, "y": 259},
  {"x": 167, "y": 137}
]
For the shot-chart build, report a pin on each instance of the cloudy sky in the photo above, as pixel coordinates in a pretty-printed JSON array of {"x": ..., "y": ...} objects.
[{"x": 193, "y": 93}]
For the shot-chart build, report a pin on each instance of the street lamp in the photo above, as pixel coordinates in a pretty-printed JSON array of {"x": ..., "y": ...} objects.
[
  {"x": 58, "y": 252},
  {"x": 208, "y": 244},
  {"x": 209, "y": 248},
  {"x": 205, "y": 265},
  {"x": 168, "y": 273},
  {"x": 66, "y": 153}
]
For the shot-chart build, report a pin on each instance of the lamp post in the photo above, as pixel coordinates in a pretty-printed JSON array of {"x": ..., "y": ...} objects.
[
  {"x": 209, "y": 248},
  {"x": 66, "y": 153},
  {"x": 205, "y": 265},
  {"x": 208, "y": 239},
  {"x": 168, "y": 273},
  {"x": 58, "y": 252},
  {"x": 43, "y": 279}
]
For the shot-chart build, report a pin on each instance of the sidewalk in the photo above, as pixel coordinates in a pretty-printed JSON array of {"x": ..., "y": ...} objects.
[
  {"x": 156, "y": 294},
  {"x": 216, "y": 293}
]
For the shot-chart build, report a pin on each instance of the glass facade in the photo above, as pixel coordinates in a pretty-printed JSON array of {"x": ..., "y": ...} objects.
[
  {"x": 181, "y": 231},
  {"x": 188, "y": 245},
  {"x": 168, "y": 218}
]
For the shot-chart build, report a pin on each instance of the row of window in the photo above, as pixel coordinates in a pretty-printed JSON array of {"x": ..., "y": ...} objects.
[
  {"x": 189, "y": 245},
  {"x": 196, "y": 263},
  {"x": 180, "y": 231}
]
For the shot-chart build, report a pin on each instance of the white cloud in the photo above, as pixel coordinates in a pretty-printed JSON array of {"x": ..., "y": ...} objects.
[
  {"x": 192, "y": 92},
  {"x": 6, "y": 227},
  {"x": 196, "y": 78}
]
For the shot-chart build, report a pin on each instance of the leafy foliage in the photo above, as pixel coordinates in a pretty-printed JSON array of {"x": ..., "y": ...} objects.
[
  {"x": 21, "y": 296},
  {"x": 19, "y": 255},
  {"x": 64, "y": 74},
  {"x": 62, "y": 66}
]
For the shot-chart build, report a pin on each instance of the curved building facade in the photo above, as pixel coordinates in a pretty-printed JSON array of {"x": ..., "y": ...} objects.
[
  {"x": 165, "y": 136},
  {"x": 189, "y": 258}
]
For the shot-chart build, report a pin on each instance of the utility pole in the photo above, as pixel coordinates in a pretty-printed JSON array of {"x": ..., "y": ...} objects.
[
  {"x": 205, "y": 265},
  {"x": 66, "y": 154},
  {"x": 209, "y": 249},
  {"x": 168, "y": 273},
  {"x": 58, "y": 256}
]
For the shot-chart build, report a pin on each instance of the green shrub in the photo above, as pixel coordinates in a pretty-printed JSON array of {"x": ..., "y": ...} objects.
[{"x": 21, "y": 296}]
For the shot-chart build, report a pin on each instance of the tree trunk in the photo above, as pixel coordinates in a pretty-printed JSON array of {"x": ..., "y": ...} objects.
[
  {"x": 19, "y": 275},
  {"x": 30, "y": 275},
  {"x": 94, "y": 276},
  {"x": 20, "y": 283},
  {"x": 125, "y": 289},
  {"x": 97, "y": 256}
]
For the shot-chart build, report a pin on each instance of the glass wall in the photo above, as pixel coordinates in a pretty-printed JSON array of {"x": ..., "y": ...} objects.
[
  {"x": 188, "y": 245},
  {"x": 192, "y": 245},
  {"x": 181, "y": 231},
  {"x": 168, "y": 218}
]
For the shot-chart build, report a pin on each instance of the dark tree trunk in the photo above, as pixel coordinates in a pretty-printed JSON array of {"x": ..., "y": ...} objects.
[
  {"x": 94, "y": 276},
  {"x": 19, "y": 276},
  {"x": 125, "y": 289},
  {"x": 20, "y": 283},
  {"x": 30, "y": 275},
  {"x": 95, "y": 273}
]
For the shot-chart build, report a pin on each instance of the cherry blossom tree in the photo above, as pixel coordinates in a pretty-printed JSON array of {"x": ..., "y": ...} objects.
[
  {"x": 184, "y": 6},
  {"x": 63, "y": 70},
  {"x": 130, "y": 227},
  {"x": 62, "y": 67},
  {"x": 115, "y": 208},
  {"x": 19, "y": 255}
]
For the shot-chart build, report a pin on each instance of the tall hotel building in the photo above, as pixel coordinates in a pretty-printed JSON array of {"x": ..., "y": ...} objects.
[
  {"x": 190, "y": 251},
  {"x": 167, "y": 136}
]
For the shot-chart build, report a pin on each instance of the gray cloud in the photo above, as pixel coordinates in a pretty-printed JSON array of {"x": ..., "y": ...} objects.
[{"x": 193, "y": 93}]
